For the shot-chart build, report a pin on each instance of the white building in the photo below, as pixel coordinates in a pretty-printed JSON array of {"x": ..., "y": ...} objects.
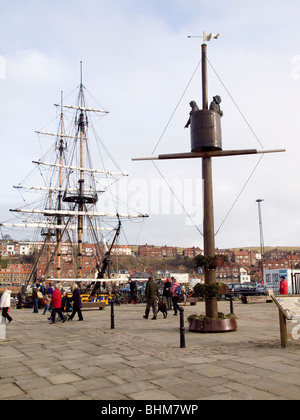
[
  {"x": 121, "y": 250},
  {"x": 272, "y": 279},
  {"x": 244, "y": 275}
]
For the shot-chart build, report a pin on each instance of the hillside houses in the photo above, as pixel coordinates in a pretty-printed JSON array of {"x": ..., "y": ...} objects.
[
  {"x": 17, "y": 273},
  {"x": 243, "y": 265},
  {"x": 152, "y": 251}
]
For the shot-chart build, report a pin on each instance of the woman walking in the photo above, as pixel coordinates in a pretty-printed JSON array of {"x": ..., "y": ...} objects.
[
  {"x": 5, "y": 304},
  {"x": 76, "y": 299}
]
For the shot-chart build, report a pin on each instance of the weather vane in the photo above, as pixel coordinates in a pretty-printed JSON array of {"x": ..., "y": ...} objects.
[{"x": 207, "y": 37}]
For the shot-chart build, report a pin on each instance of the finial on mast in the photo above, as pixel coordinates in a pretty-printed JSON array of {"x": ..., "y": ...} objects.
[
  {"x": 81, "y": 73},
  {"x": 207, "y": 37}
]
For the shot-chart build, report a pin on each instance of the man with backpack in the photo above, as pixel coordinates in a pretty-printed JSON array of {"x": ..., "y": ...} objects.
[{"x": 176, "y": 292}]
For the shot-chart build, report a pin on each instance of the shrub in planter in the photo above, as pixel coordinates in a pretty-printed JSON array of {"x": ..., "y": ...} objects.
[
  {"x": 209, "y": 291},
  {"x": 210, "y": 263},
  {"x": 201, "y": 323}
]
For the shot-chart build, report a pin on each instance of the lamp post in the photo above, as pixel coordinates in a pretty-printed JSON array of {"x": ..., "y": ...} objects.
[{"x": 262, "y": 247}]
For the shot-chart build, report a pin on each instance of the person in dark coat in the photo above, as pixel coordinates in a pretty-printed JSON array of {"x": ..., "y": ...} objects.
[
  {"x": 167, "y": 293},
  {"x": 77, "y": 305},
  {"x": 133, "y": 291},
  {"x": 35, "y": 300},
  {"x": 151, "y": 294}
]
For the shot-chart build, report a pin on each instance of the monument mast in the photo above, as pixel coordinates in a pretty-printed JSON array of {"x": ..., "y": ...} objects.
[{"x": 206, "y": 142}]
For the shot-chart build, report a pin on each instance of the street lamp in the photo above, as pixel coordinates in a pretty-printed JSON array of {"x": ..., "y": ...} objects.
[{"x": 262, "y": 247}]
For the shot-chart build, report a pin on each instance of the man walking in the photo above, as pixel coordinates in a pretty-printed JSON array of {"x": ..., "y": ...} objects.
[{"x": 151, "y": 294}]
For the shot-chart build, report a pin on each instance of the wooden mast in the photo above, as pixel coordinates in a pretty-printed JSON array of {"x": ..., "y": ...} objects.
[
  {"x": 59, "y": 217},
  {"x": 208, "y": 210},
  {"x": 81, "y": 180},
  {"x": 206, "y": 153}
]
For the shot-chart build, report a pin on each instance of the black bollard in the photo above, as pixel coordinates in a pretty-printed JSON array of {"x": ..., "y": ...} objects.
[
  {"x": 112, "y": 316},
  {"x": 182, "y": 329},
  {"x": 231, "y": 305}
]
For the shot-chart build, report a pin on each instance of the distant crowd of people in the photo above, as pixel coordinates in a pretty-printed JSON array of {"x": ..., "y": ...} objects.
[
  {"x": 62, "y": 306},
  {"x": 172, "y": 292},
  {"x": 57, "y": 301}
]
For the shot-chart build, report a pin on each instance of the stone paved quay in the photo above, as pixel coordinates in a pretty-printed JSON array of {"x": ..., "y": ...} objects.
[{"x": 142, "y": 359}]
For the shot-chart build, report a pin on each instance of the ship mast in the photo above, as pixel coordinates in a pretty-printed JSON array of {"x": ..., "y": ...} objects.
[
  {"x": 59, "y": 217},
  {"x": 76, "y": 199},
  {"x": 81, "y": 127}
]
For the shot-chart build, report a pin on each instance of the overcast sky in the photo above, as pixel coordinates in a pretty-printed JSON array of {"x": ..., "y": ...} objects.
[{"x": 138, "y": 61}]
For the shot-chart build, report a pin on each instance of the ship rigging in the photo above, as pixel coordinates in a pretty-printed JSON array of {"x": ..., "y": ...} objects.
[{"x": 71, "y": 209}]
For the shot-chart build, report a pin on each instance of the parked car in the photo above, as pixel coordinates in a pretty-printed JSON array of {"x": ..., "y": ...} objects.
[
  {"x": 261, "y": 288},
  {"x": 244, "y": 289}
]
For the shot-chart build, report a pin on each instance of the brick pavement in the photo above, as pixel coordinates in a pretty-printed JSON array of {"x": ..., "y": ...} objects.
[{"x": 142, "y": 359}]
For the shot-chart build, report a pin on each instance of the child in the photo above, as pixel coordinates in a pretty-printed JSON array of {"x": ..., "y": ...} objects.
[{"x": 47, "y": 304}]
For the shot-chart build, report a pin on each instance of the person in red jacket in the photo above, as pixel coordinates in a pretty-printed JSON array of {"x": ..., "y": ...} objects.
[
  {"x": 56, "y": 304},
  {"x": 283, "y": 286}
]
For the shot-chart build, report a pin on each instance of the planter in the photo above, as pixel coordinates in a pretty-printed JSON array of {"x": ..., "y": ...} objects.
[
  {"x": 213, "y": 325},
  {"x": 218, "y": 261},
  {"x": 223, "y": 290}
]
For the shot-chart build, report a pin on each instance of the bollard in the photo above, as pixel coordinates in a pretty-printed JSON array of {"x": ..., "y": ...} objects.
[
  {"x": 182, "y": 329},
  {"x": 2, "y": 328},
  {"x": 112, "y": 316},
  {"x": 231, "y": 305}
]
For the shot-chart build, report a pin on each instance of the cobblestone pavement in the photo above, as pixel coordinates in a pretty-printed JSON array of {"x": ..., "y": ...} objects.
[{"x": 142, "y": 359}]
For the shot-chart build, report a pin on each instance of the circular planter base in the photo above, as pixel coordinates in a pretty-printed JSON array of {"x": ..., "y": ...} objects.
[{"x": 213, "y": 325}]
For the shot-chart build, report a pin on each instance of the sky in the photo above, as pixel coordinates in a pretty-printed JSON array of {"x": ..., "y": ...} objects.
[{"x": 141, "y": 66}]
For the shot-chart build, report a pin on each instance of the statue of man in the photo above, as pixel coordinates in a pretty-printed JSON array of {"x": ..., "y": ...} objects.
[
  {"x": 215, "y": 105},
  {"x": 195, "y": 108}
]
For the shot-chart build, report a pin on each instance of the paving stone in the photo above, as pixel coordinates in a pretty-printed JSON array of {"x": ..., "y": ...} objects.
[
  {"x": 26, "y": 384},
  {"x": 92, "y": 384},
  {"x": 63, "y": 378},
  {"x": 10, "y": 390},
  {"x": 88, "y": 360},
  {"x": 54, "y": 392},
  {"x": 152, "y": 395}
]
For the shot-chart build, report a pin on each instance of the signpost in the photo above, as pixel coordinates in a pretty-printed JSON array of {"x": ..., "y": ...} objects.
[{"x": 289, "y": 308}]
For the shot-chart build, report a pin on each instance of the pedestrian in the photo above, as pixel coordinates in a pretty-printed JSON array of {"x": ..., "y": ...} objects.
[
  {"x": 5, "y": 304},
  {"x": 184, "y": 294},
  {"x": 47, "y": 307},
  {"x": 43, "y": 288},
  {"x": 283, "y": 286},
  {"x": 151, "y": 294},
  {"x": 56, "y": 304},
  {"x": 65, "y": 303},
  {"x": 133, "y": 291},
  {"x": 116, "y": 297},
  {"x": 50, "y": 289},
  {"x": 167, "y": 293},
  {"x": 35, "y": 299},
  {"x": 175, "y": 291},
  {"x": 77, "y": 303}
]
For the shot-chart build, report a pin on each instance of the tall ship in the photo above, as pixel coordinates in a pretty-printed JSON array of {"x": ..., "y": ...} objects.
[{"x": 75, "y": 230}]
